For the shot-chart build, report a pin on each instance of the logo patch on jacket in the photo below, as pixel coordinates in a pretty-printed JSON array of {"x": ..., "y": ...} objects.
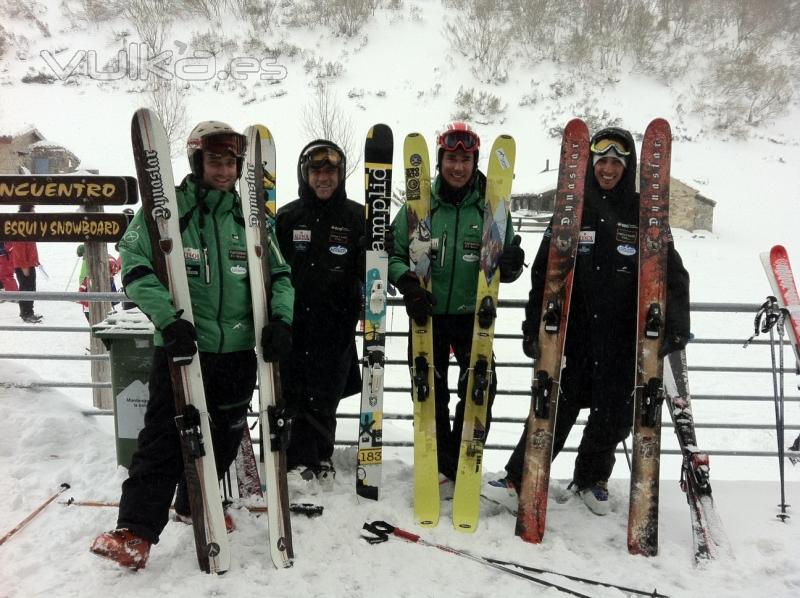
[
  {"x": 338, "y": 250},
  {"x": 627, "y": 233},
  {"x": 472, "y": 246},
  {"x": 301, "y": 235},
  {"x": 237, "y": 255},
  {"x": 238, "y": 270},
  {"x": 191, "y": 254},
  {"x": 338, "y": 238},
  {"x": 627, "y": 250}
]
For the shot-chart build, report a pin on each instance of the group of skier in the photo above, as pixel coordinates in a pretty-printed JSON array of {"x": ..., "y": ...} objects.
[{"x": 316, "y": 298}]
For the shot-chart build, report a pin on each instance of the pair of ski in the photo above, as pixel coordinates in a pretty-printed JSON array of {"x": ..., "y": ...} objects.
[
  {"x": 654, "y": 236},
  {"x": 466, "y": 499},
  {"x": 159, "y": 202},
  {"x": 378, "y": 152}
]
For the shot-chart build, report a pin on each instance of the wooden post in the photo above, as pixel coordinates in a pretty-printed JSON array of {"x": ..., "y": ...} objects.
[{"x": 96, "y": 256}]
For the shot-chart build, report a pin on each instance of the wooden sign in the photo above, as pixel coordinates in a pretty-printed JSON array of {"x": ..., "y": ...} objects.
[
  {"x": 56, "y": 190},
  {"x": 95, "y": 226}
]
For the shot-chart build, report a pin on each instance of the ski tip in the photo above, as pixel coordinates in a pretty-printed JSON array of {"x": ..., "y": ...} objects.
[{"x": 659, "y": 124}]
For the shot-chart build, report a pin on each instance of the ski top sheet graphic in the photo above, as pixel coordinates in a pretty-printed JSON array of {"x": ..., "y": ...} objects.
[
  {"x": 154, "y": 171},
  {"x": 260, "y": 249},
  {"x": 779, "y": 272},
  {"x": 654, "y": 237},
  {"x": 499, "y": 178},
  {"x": 418, "y": 213},
  {"x": 378, "y": 150},
  {"x": 545, "y": 386}
]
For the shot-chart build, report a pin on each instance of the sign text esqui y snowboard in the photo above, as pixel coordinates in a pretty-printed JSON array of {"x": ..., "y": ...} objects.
[
  {"x": 654, "y": 236},
  {"x": 261, "y": 248},
  {"x": 708, "y": 535},
  {"x": 418, "y": 205},
  {"x": 499, "y": 177},
  {"x": 153, "y": 169},
  {"x": 378, "y": 150},
  {"x": 545, "y": 387}
]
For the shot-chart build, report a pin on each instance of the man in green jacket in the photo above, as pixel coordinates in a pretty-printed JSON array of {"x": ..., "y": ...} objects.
[
  {"x": 457, "y": 206},
  {"x": 213, "y": 235}
]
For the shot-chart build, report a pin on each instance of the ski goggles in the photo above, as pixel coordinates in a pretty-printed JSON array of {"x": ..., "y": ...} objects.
[
  {"x": 225, "y": 143},
  {"x": 319, "y": 157},
  {"x": 605, "y": 145},
  {"x": 465, "y": 140}
]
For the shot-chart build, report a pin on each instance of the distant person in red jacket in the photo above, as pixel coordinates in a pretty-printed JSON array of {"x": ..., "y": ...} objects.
[
  {"x": 7, "y": 281},
  {"x": 26, "y": 257}
]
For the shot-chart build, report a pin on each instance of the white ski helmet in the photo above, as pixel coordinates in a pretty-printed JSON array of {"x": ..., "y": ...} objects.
[{"x": 217, "y": 137}]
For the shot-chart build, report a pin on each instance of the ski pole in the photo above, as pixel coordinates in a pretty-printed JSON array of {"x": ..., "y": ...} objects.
[
  {"x": 779, "y": 419},
  {"x": 769, "y": 317},
  {"x": 308, "y": 509},
  {"x": 381, "y": 531},
  {"x": 71, "y": 274},
  {"x": 28, "y": 519},
  {"x": 594, "y": 582}
]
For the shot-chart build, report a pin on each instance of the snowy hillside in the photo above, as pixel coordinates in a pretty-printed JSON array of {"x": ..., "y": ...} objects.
[{"x": 401, "y": 69}]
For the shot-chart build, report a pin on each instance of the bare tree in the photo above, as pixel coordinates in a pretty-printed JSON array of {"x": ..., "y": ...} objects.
[
  {"x": 324, "y": 118},
  {"x": 151, "y": 20},
  {"x": 167, "y": 100},
  {"x": 482, "y": 32}
]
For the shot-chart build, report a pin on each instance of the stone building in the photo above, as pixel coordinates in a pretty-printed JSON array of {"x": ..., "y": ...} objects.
[
  {"x": 689, "y": 209},
  {"x": 29, "y": 151}
]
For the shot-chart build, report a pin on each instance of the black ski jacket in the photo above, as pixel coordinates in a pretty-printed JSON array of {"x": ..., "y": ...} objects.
[
  {"x": 601, "y": 332},
  {"x": 320, "y": 241}
]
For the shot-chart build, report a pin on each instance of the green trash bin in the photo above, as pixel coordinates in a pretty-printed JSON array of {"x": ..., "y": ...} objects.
[{"x": 128, "y": 335}]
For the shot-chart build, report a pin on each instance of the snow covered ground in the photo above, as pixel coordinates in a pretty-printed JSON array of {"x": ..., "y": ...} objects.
[{"x": 45, "y": 440}]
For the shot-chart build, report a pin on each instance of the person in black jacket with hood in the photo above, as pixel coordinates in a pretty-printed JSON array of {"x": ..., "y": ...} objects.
[
  {"x": 319, "y": 235},
  {"x": 600, "y": 348}
]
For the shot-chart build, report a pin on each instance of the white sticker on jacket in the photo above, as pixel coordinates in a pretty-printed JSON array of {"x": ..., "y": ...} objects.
[
  {"x": 338, "y": 250},
  {"x": 626, "y": 249},
  {"x": 301, "y": 235},
  {"x": 586, "y": 237},
  {"x": 240, "y": 270}
]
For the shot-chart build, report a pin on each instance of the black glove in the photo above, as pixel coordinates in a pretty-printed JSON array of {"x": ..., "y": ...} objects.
[
  {"x": 530, "y": 340},
  {"x": 511, "y": 260},
  {"x": 419, "y": 302},
  {"x": 179, "y": 341},
  {"x": 276, "y": 340},
  {"x": 672, "y": 343}
]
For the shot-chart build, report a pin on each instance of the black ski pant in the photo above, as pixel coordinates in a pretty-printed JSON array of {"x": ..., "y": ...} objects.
[
  {"x": 157, "y": 465},
  {"x": 453, "y": 331},
  {"x": 595, "y": 460},
  {"x": 26, "y": 283}
]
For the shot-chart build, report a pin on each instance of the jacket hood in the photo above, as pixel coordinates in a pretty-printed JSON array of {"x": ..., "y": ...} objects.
[
  {"x": 304, "y": 190},
  {"x": 627, "y": 184}
]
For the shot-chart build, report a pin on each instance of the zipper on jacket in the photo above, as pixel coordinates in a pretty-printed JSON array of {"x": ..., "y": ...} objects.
[
  {"x": 453, "y": 263},
  {"x": 221, "y": 278}
]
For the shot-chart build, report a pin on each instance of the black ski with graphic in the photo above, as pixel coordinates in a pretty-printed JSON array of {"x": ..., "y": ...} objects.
[
  {"x": 151, "y": 154},
  {"x": 378, "y": 151},
  {"x": 708, "y": 535}
]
